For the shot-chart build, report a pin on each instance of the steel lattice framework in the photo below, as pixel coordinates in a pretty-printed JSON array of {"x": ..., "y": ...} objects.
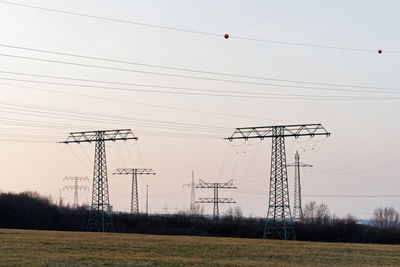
[
  {"x": 135, "y": 193},
  {"x": 76, "y": 187},
  {"x": 279, "y": 223},
  {"x": 192, "y": 186},
  {"x": 216, "y": 200},
  {"x": 297, "y": 207},
  {"x": 100, "y": 217}
]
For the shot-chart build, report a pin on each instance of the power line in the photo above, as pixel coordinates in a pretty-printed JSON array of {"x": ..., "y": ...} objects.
[
  {"x": 39, "y": 124},
  {"x": 178, "y": 135},
  {"x": 353, "y": 196},
  {"x": 392, "y": 91},
  {"x": 195, "y": 70},
  {"x": 327, "y": 195},
  {"x": 179, "y": 29},
  {"x": 371, "y": 155},
  {"x": 48, "y": 125},
  {"x": 87, "y": 116},
  {"x": 228, "y": 94},
  {"x": 195, "y": 77},
  {"x": 140, "y": 103},
  {"x": 110, "y": 19}
]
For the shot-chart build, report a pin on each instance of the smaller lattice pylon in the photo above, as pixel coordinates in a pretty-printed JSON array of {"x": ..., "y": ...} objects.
[
  {"x": 135, "y": 193},
  {"x": 76, "y": 187},
  {"x": 192, "y": 186},
  {"x": 216, "y": 200},
  {"x": 297, "y": 208}
]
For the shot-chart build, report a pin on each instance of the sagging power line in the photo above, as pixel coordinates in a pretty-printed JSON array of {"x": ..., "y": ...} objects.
[
  {"x": 196, "y": 70},
  {"x": 381, "y": 90},
  {"x": 184, "y": 30}
]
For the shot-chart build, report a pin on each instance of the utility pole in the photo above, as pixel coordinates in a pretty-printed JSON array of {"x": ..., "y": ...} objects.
[
  {"x": 297, "y": 208},
  {"x": 279, "y": 223},
  {"x": 147, "y": 200},
  {"x": 135, "y": 193},
  {"x": 76, "y": 187},
  {"x": 216, "y": 200},
  {"x": 192, "y": 186},
  {"x": 100, "y": 217}
]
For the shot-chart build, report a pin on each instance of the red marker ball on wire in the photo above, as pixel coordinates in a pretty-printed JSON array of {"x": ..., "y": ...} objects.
[
  {"x": 380, "y": 51},
  {"x": 226, "y": 36}
]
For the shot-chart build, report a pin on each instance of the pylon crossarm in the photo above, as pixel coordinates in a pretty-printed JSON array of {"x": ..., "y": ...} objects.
[
  {"x": 288, "y": 131},
  {"x": 300, "y": 165},
  {"x": 227, "y": 185},
  {"x": 72, "y": 187},
  {"x": 212, "y": 200},
  {"x": 139, "y": 171},
  {"x": 104, "y": 135},
  {"x": 76, "y": 178}
]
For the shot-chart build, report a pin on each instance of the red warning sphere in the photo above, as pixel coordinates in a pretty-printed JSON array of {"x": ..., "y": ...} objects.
[
  {"x": 380, "y": 51},
  {"x": 226, "y": 36}
]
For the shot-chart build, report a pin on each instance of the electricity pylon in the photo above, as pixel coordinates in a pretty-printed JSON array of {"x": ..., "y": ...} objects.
[
  {"x": 134, "y": 195},
  {"x": 100, "y": 217},
  {"x": 192, "y": 195},
  {"x": 297, "y": 208},
  {"x": 60, "y": 199},
  {"x": 216, "y": 200},
  {"x": 279, "y": 223},
  {"x": 76, "y": 187}
]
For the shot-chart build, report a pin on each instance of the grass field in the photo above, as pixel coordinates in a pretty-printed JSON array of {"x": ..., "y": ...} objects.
[{"x": 26, "y": 247}]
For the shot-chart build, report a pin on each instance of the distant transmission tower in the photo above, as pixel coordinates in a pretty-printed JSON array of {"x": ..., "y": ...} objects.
[
  {"x": 134, "y": 195},
  {"x": 76, "y": 187},
  {"x": 60, "y": 199},
  {"x": 279, "y": 223},
  {"x": 297, "y": 208},
  {"x": 192, "y": 186},
  {"x": 216, "y": 200},
  {"x": 100, "y": 217}
]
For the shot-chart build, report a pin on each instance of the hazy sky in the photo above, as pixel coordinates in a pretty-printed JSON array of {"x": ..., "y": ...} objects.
[{"x": 178, "y": 133}]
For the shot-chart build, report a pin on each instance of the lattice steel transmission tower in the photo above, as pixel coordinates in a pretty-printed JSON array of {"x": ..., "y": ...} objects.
[
  {"x": 100, "y": 217},
  {"x": 297, "y": 208},
  {"x": 135, "y": 193},
  {"x": 216, "y": 200},
  {"x": 76, "y": 187},
  {"x": 192, "y": 186},
  {"x": 279, "y": 223}
]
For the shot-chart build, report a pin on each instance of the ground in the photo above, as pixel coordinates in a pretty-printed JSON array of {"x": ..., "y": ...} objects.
[{"x": 27, "y": 247}]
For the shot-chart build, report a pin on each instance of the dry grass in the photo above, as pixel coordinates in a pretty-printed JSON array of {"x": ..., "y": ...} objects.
[{"x": 25, "y": 247}]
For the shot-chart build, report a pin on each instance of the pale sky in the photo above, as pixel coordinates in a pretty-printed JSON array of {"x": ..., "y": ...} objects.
[{"x": 361, "y": 157}]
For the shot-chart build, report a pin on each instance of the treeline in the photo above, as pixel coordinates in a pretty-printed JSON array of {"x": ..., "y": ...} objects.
[{"x": 31, "y": 211}]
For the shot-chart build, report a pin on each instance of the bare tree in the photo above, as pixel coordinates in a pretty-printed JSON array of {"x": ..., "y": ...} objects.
[
  {"x": 238, "y": 213},
  {"x": 234, "y": 213},
  {"x": 316, "y": 213},
  {"x": 199, "y": 210},
  {"x": 309, "y": 212},
  {"x": 322, "y": 213},
  {"x": 386, "y": 217},
  {"x": 228, "y": 214}
]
